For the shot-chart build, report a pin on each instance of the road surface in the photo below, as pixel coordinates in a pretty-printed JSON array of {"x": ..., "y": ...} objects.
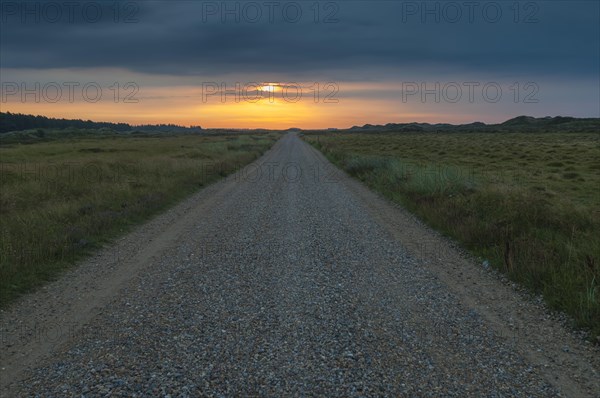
[{"x": 287, "y": 279}]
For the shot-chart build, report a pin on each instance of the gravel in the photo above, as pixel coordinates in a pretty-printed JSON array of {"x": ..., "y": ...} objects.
[{"x": 286, "y": 287}]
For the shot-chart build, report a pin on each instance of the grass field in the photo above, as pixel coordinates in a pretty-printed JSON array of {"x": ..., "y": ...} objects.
[
  {"x": 60, "y": 198},
  {"x": 529, "y": 204}
]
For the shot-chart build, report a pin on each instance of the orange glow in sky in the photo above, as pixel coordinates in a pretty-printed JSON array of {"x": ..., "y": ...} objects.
[
  {"x": 265, "y": 105},
  {"x": 261, "y": 104}
]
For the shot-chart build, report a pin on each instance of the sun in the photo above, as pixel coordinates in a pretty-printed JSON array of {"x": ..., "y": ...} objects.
[{"x": 269, "y": 87}]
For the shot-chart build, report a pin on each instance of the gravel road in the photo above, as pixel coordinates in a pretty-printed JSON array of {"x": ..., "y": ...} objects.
[{"x": 285, "y": 280}]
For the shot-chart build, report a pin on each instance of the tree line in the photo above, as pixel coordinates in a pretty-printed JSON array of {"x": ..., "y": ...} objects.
[{"x": 18, "y": 121}]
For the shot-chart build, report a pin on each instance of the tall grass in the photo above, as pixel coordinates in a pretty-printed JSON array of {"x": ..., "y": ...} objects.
[
  {"x": 62, "y": 199},
  {"x": 548, "y": 243}
]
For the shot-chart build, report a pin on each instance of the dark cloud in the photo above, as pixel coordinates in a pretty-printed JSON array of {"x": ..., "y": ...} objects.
[{"x": 553, "y": 38}]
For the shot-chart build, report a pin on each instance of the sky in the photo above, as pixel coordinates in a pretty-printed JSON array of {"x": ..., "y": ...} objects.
[{"x": 306, "y": 64}]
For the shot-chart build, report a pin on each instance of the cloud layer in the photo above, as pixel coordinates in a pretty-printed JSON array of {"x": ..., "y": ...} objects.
[{"x": 369, "y": 42}]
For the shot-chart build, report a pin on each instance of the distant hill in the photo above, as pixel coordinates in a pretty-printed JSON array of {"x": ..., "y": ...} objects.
[
  {"x": 543, "y": 121},
  {"x": 19, "y": 122},
  {"x": 519, "y": 123}
]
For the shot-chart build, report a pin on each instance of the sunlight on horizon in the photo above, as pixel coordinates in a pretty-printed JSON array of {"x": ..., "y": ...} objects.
[{"x": 269, "y": 104}]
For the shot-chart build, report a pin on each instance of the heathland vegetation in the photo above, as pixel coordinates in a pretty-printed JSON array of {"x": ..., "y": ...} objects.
[
  {"x": 65, "y": 193},
  {"x": 528, "y": 203}
]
